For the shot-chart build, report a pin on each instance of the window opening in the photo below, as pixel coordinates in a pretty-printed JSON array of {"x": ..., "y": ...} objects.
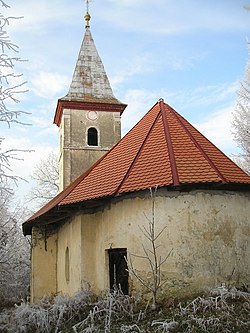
[
  {"x": 67, "y": 264},
  {"x": 92, "y": 136}
]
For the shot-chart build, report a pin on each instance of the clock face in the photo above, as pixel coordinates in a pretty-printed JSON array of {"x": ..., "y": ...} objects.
[{"x": 92, "y": 115}]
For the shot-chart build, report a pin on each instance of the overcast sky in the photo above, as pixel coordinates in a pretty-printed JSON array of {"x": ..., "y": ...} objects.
[{"x": 192, "y": 53}]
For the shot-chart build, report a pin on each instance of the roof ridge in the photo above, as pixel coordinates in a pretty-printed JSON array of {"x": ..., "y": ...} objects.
[
  {"x": 138, "y": 153},
  {"x": 201, "y": 150},
  {"x": 172, "y": 160}
]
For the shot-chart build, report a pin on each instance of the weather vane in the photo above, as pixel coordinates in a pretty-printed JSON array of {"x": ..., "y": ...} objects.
[{"x": 87, "y": 15}]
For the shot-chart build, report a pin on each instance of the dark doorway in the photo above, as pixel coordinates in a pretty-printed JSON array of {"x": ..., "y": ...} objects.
[{"x": 118, "y": 269}]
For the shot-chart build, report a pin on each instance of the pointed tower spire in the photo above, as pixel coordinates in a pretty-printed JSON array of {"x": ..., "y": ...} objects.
[
  {"x": 89, "y": 116},
  {"x": 90, "y": 82}
]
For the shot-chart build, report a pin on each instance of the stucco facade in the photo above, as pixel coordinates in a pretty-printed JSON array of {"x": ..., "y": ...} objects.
[
  {"x": 207, "y": 233},
  {"x": 44, "y": 261}
]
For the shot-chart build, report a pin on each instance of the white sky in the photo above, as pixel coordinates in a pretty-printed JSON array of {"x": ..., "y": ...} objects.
[{"x": 192, "y": 53}]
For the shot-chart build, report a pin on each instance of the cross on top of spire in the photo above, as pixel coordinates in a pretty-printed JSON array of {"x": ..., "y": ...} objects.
[{"x": 87, "y": 16}]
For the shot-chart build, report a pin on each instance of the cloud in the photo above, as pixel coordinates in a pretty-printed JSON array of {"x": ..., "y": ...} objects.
[
  {"x": 44, "y": 127},
  {"x": 141, "y": 64},
  {"x": 38, "y": 15},
  {"x": 180, "y": 63},
  {"x": 161, "y": 16},
  {"x": 144, "y": 64},
  {"x": 218, "y": 129},
  {"x": 214, "y": 93},
  {"x": 25, "y": 160},
  {"x": 49, "y": 85},
  {"x": 169, "y": 17},
  {"x": 205, "y": 96}
]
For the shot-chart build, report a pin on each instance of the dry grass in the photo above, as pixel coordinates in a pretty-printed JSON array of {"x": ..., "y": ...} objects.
[{"x": 221, "y": 310}]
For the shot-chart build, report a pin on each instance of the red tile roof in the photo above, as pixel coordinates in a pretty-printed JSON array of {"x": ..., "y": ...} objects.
[{"x": 163, "y": 149}]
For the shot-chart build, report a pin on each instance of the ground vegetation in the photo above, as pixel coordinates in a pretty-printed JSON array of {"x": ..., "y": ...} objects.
[{"x": 218, "y": 310}]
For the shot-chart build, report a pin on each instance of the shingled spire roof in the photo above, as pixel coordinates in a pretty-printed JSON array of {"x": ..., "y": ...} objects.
[
  {"x": 162, "y": 150},
  {"x": 90, "y": 87},
  {"x": 90, "y": 82}
]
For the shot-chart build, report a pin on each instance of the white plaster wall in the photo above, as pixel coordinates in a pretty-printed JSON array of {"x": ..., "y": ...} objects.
[
  {"x": 208, "y": 233},
  {"x": 69, "y": 235},
  {"x": 43, "y": 262}
]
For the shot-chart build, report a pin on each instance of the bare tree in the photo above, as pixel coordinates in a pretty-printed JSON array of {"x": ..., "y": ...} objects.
[
  {"x": 14, "y": 249},
  {"x": 46, "y": 176},
  {"x": 151, "y": 255},
  {"x": 241, "y": 121},
  {"x": 14, "y": 252},
  {"x": 11, "y": 87}
]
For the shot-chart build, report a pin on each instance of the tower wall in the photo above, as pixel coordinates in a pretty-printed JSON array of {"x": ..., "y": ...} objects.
[{"x": 76, "y": 154}]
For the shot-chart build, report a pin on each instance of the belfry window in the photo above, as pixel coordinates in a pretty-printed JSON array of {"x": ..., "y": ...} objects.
[{"x": 92, "y": 137}]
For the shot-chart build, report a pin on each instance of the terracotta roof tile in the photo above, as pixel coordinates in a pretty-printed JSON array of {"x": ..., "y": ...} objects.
[
  {"x": 142, "y": 159},
  {"x": 107, "y": 176},
  {"x": 163, "y": 149}
]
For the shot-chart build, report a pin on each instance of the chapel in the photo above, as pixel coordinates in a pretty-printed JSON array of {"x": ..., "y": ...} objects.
[{"x": 163, "y": 187}]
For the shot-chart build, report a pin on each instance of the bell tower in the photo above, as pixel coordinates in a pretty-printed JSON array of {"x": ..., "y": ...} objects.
[{"x": 89, "y": 116}]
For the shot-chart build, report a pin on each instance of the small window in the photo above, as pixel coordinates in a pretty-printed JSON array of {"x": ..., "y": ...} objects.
[
  {"x": 67, "y": 264},
  {"x": 92, "y": 136}
]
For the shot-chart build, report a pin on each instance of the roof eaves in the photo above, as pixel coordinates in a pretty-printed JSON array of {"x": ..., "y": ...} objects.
[
  {"x": 50, "y": 217},
  {"x": 97, "y": 105}
]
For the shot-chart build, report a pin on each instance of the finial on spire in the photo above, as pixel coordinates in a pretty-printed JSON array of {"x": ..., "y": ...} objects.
[{"x": 87, "y": 16}]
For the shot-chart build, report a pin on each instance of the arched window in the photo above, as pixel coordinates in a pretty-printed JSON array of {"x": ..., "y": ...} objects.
[
  {"x": 92, "y": 136},
  {"x": 67, "y": 264}
]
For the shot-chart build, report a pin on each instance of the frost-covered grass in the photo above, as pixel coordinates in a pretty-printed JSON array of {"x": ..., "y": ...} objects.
[{"x": 221, "y": 310}]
